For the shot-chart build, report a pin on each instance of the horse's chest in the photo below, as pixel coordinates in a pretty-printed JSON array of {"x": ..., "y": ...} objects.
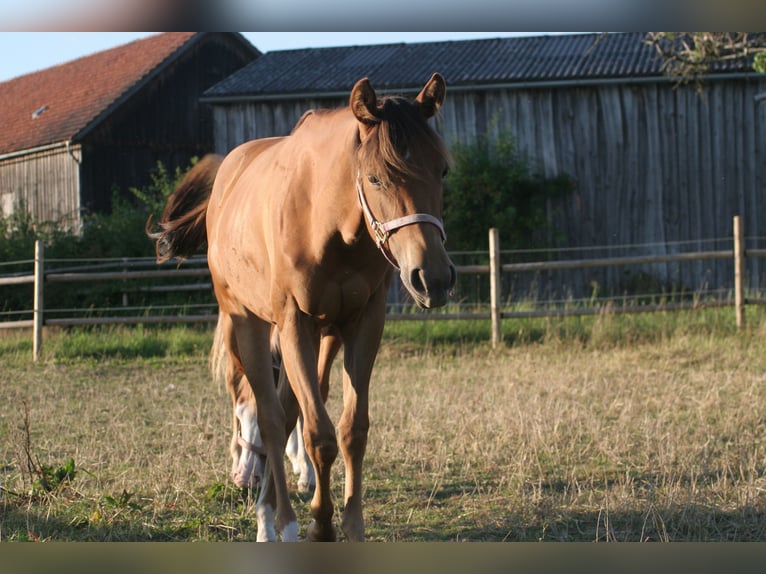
[{"x": 335, "y": 299}]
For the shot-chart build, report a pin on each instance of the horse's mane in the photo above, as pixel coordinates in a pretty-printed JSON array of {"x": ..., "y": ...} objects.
[
  {"x": 395, "y": 145},
  {"x": 302, "y": 119}
]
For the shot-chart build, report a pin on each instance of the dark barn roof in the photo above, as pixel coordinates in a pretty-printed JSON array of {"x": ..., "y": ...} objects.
[{"x": 463, "y": 63}]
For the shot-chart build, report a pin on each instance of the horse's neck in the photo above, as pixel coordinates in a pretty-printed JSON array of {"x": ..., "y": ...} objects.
[{"x": 331, "y": 139}]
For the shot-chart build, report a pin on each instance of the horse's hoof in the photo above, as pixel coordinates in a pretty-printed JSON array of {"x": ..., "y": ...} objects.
[
  {"x": 320, "y": 533},
  {"x": 353, "y": 530}
]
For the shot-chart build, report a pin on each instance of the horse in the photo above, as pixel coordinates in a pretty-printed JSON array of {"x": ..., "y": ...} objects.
[{"x": 304, "y": 233}]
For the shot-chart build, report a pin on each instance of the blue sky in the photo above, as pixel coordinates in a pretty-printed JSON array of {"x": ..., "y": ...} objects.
[{"x": 25, "y": 52}]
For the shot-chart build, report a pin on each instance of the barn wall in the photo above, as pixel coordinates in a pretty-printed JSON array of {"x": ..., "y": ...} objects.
[
  {"x": 234, "y": 124},
  {"x": 652, "y": 163},
  {"x": 46, "y": 183}
]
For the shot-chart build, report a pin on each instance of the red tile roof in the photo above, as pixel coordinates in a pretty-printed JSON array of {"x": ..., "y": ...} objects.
[{"x": 72, "y": 95}]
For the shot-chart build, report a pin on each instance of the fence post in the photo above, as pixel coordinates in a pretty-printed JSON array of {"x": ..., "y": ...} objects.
[
  {"x": 494, "y": 285},
  {"x": 37, "y": 306},
  {"x": 739, "y": 272}
]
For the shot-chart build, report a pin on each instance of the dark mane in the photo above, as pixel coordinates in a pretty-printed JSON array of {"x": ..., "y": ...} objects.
[{"x": 396, "y": 145}]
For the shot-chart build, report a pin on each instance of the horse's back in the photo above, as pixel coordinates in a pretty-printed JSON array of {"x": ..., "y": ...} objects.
[{"x": 237, "y": 162}]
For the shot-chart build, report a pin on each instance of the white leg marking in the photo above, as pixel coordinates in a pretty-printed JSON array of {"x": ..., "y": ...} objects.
[
  {"x": 290, "y": 532},
  {"x": 293, "y": 450},
  {"x": 249, "y": 470},
  {"x": 265, "y": 519},
  {"x": 296, "y": 452}
]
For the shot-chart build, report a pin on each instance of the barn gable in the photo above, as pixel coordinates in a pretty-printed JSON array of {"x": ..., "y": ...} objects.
[{"x": 75, "y": 132}]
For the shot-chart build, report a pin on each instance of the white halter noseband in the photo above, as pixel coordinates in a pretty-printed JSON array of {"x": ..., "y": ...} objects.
[{"x": 383, "y": 230}]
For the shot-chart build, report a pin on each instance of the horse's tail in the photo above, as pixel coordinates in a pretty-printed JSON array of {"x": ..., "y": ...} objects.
[
  {"x": 182, "y": 228},
  {"x": 218, "y": 353},
  {"x": 224, "y": 362}
]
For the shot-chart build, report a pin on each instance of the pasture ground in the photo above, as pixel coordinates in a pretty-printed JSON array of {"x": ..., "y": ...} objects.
[{"x": 602, "y": 429}]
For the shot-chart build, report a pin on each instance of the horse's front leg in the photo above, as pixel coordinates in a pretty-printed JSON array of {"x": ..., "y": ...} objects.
[
  {"x": 361, "y": 340},
  {"x": 300, "y": 340},
  {"x": 253, "y": 342}
]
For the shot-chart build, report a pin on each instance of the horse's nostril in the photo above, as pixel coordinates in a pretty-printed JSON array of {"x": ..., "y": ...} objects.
[
  {"x": 416, "y": 280},
  {"x": 453, "y": 276}
]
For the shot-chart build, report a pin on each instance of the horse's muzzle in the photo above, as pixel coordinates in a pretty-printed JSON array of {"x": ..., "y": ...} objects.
[{"x": 430, "y": 286}]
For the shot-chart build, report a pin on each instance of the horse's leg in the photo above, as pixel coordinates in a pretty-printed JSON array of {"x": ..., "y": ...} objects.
[
  {"x": 300, "y": 339},
  {"x": 296, "y": 448},
  {"x": 253, "y": 342},
  {"x": 299, "y": 458},
  {"x": 328, "y": 349},
  {"x": 267, "y": 498},
  {"x": 361, "y": 339},
  {"x": 247, "y": 466}
]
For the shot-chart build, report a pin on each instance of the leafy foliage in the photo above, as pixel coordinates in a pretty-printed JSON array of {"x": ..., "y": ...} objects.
[
  {"x": 692, "y": 55},
  {"x": 491, "y": 185},
  {"x": 119, "y": 233},
  {"x": 51, "y": 478}
]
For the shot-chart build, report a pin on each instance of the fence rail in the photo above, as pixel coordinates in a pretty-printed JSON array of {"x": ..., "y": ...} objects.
[{"x": 495, "y": 270}]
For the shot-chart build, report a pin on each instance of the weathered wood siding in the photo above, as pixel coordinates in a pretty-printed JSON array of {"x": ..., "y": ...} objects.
[
  {"x": 45, "y": 183},
  {"x": 653, "y": 165},
  {"x": 234, "y": 124}
]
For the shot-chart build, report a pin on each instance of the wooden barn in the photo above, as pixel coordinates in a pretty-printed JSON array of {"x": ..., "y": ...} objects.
[
  {"x": 655, "y": 163},
  {"x": 74, "y": 133}
]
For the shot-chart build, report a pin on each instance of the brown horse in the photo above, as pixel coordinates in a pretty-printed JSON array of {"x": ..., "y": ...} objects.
[{"x": 303, "y": 233}]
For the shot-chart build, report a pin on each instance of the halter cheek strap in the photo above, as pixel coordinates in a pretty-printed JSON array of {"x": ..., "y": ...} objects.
[{"x": 384, "y": 230}]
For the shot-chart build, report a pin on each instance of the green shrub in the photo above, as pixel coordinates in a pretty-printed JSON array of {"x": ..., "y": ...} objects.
[
  {"x": 491, "y": 185},
  {"x": 119, "y": 233}
]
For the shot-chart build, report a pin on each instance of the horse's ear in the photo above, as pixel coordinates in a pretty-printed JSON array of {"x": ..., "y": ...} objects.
[
  {"x": 364, "y": 103},
  {"x": 432, "y": 95}
]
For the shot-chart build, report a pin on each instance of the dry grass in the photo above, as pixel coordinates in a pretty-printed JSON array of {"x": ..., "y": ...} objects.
[
  {"x": 543, "y": 442},
  {"x": 556, "y": 440}
]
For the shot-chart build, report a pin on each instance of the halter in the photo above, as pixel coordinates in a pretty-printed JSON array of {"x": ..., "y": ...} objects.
[{"x": 383, "y": 231}]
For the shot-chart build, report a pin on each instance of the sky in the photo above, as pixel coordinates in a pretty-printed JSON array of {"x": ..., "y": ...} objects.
[{"x": 26, "y": 52}]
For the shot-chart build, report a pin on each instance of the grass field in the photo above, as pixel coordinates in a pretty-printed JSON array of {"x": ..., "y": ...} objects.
[{"x": 642, "y": 428}]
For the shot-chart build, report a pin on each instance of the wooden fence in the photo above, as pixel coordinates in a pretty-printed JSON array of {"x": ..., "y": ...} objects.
[{"x": 495, "y": 269}]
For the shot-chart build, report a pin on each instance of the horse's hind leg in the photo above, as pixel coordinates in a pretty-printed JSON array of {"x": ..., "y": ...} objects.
[
  {"x": 247, "y": 466},
  {"x": 301, "y": 463}
]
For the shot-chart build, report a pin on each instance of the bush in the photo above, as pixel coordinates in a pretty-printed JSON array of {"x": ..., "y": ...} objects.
[
  {"x": 119, "y": 233},
  {"x": 491, "y": 185}
]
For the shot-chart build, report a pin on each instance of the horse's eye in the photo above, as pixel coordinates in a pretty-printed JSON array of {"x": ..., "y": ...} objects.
[{"x": 373, "y": 180}]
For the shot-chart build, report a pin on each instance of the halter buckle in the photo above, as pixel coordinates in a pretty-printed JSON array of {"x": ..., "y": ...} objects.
[{"x": 381, "y": 234}]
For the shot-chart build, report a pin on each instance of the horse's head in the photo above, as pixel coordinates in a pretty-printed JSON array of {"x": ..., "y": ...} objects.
[{"x": 401, "y": 163}]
